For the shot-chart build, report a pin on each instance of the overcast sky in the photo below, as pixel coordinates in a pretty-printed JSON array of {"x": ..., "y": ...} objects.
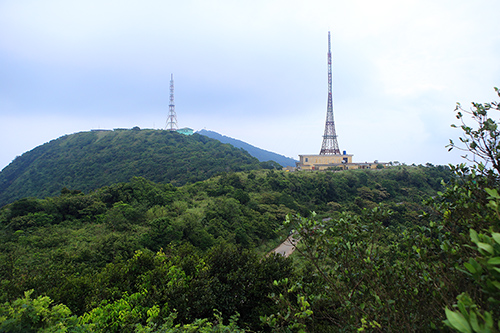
[{"x": 252, "y": 70}]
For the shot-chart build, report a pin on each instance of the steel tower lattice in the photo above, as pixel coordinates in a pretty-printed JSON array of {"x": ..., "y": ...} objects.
[
  {"x": 172, "y": 116},
  {"x": 330, "y": 146}
]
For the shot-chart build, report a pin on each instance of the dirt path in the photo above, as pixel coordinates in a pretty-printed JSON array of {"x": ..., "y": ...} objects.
[{"x": 287, "y": 247}]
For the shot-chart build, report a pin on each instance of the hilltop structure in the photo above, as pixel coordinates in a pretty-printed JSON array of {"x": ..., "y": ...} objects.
[
  {"x": 185, "y": 131},
  {"x": 329, "y": 156},
  {"x": 330, "y": 145},
  {"x": 172, "y": 116}
]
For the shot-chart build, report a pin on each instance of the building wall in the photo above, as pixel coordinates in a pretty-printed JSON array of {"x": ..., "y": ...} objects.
[
  {"x": 340, "y": 162},
  {"x": 311, "y": 160}
]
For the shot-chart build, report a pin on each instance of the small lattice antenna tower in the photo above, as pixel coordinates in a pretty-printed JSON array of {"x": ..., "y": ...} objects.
[
  {"x": 172, "y": 117},
  {"x": 330, "y": 146}
]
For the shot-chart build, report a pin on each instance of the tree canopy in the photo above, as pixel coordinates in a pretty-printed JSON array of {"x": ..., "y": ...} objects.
[
  {"x": 90, "y": 160},
  {"x": 122, "y": 243}
]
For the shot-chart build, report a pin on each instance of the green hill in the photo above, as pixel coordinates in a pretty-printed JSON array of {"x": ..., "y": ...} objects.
[
  {"x": 89, "y": 160},
  {"x": 261, "y": 154}
]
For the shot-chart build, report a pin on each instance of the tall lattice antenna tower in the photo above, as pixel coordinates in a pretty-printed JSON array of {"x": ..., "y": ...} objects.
[
  {"x": 172, "y": 117},
  {"x": 330, "y": 145}
]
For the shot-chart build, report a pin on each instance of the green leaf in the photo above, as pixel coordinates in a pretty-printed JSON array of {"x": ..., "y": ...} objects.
[
  {"x": 457, "y": 321},
  {"x": 470, "y": 268},
  {"x": 493, "y": 193},
  {"x": 494, "y": 261},
  {"x": 473, "y": 322},
  {"x": 488, "y": 319},
  {"x": 463, "y": 310},
  {"x": 496, "y": 237},
  {"x": 476, "y": 265},
  {"x": 473, "y": 236},
  {"x": 496, "y": 284},
  {"x": 486, "y": 247}
]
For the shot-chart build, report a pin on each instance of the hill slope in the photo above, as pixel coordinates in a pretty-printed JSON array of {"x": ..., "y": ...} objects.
[
  {"x": 191, "y": 248},
  {"x": 89, "y": 160},
  {"x": 261, "y": 154}
]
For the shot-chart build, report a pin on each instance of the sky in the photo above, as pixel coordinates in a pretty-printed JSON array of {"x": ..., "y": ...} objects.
[{"x": 252, "y": 70}]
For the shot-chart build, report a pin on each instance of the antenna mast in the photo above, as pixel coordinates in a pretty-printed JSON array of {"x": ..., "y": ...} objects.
[
  {"x": 330, "y": 145},
  {"x": 172, "y": 117}
]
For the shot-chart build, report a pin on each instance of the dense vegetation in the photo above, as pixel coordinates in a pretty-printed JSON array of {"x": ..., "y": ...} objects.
[
  {"x": 146, "y": 257},
  {"x": 261, "y": 154},
  {"x": 193, "y": 248},
  {"x": 90, "y": 160}
]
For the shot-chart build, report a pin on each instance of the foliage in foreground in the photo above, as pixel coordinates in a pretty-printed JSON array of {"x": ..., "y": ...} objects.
[
  {"x": 479, "y": 311},
  {"x": 40, "y": 315}
]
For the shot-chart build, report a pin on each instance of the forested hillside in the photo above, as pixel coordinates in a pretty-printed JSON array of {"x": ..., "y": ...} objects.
[
  {"x": 90, "y": 160},
  {"x": 186, "y": 250}
]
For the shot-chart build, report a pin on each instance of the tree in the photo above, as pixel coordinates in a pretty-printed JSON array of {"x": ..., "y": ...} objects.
[
  {"x": 477, "y": 204},
  {"x": 37, "y": 315},
  {"x": 482, "y": 140}
]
